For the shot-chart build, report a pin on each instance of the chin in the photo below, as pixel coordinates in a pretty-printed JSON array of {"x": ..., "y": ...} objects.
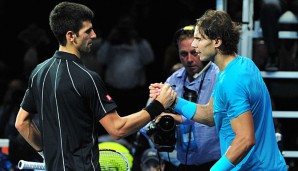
[
  {"x": 203, "y": 59},
  {"x": 206, "y": 59}
]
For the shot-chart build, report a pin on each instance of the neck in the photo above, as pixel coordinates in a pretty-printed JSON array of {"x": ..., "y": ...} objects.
[
  {"x": 223, "y": 60},
  {"x": 69, "y": 50},
  {"x": 190, "y": 78}
]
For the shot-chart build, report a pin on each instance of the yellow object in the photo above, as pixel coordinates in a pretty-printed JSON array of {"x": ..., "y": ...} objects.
[
  {"x": 118, "y": 147},
  {"x": 190, "y": 27}
]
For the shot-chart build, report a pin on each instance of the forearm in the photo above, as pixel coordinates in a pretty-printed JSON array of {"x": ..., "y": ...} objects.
[
  {"x": 124, "y": 126},
  {"x": 120, "y": 127},
  {"x": 204, "y": 115},
  {"x": 130, "y": 124},
  {"x": 234, "y": 155},
  {"x": 238, "y": 150},
  {"x": 199, "y": 113},
  {"x": 242, "y": 145},
  {"x": 244, "y": 140},
  {"x": 31, "y": 134}
]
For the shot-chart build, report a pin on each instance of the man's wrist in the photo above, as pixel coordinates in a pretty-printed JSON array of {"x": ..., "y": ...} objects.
[
  {"x": 174, "y": 103},
  {"x": 223, "y": 164},
  {"x": 154, "y": 109},
  {"x": 185, "y": 108}
]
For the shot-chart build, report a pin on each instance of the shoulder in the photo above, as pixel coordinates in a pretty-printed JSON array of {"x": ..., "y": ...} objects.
[
  {"x": 83, "y": 75},
  {"x": 245, "y": 61},
  {"x": 176, "y": 75},
  {"x": 93, "y": 75}
]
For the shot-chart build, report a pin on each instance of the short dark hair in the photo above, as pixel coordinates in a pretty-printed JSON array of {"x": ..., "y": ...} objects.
[
  {"x": 183, "y": 33},
  {"x": 68, "y": 16},
  {"x": 218, "y": 24}
]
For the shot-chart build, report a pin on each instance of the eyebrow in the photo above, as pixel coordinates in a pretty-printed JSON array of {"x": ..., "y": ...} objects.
[{"x": 89, "y": 30}]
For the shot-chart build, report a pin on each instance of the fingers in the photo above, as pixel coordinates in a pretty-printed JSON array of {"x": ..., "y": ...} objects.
[
  {"x": 154, "y": 90},
  {"x": 166, "y": 96},
  {"x": 163, "y": 93},
  {"x": 154, "y": 93},
  {"x": 155, "y": 86}
]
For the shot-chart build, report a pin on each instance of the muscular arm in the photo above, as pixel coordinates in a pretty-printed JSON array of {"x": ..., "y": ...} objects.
[
  {"x": 28, "y": 129},
  {"x": 244, "y": 140},
  {"x": 204, "y": 114},
  {"x": 119, "y": 127}
]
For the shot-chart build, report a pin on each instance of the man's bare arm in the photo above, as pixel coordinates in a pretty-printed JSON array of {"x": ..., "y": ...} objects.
[
  {"x": 119, "y": 127},
  {"x": 28, "y": 129},
  {"x": 204, "y": 114},
  {"x": 244, "y": 140}
]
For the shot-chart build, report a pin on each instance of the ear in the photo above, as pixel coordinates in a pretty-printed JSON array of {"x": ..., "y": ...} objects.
[
  {"x": 70, "y": 36},
  {"x": 217, "y": 42}
]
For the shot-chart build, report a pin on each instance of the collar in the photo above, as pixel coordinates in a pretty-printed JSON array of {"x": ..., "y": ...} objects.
[{"x": 67, "y": 56}]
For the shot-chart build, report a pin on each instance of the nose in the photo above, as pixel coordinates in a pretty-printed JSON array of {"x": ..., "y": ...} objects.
[
  {"x": 194, "y": 43},
  {"x": 93, "y": 34},
  {"x": 189, "y": 58}
]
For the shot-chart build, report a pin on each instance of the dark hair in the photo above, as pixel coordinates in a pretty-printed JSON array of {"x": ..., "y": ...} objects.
[
  {"x": 218, "y": 24},
  {"x": 68, "y": 16},
  {"x": 183, "y": 33}
]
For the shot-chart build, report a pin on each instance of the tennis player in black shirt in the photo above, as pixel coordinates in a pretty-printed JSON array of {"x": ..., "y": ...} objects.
[{"x": 72, "y": 99}]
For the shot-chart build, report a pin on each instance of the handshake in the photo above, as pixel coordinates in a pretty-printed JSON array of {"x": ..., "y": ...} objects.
[
  {"x": 167, "y": 97},
  {"x": 163, "y": 93}
]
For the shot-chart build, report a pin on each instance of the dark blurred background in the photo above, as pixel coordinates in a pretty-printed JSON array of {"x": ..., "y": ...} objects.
[{"x": 156, "y": 20}]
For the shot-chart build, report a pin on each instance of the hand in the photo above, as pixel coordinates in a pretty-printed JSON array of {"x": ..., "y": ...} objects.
[
  {"x": 154, "y": 90},
  {"x": 166, "y": 96}
]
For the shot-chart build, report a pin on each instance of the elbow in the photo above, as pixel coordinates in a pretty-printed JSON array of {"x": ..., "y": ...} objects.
[
  {"x": 117, "y": 135},
  {"x": 22, "y": 120},
  {"x": 210, "y": 124},
  {"x": 19, "y": 125},
  {"x": 249, "y": 142},
  {"x": 118, "y": 129},
  {"x": 208, "y": 121}
]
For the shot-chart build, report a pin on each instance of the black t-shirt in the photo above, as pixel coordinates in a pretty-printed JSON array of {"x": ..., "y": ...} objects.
[{"x": 70, "y": 100}]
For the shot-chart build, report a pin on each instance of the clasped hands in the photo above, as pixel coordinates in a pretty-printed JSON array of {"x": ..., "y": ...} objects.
[
  {"x": 166, "y": 96},
  {"x": 163, "y": 93}
]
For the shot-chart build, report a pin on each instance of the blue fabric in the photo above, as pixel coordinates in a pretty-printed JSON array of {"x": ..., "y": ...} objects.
[
  {"x": 240, "y": 88},
  {"x": 186, "y": 108},
  {"x": 223, "y": 164}
]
